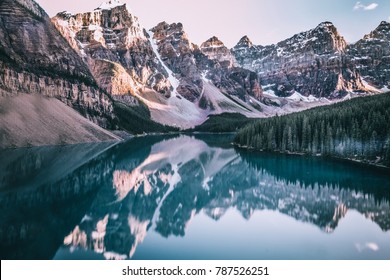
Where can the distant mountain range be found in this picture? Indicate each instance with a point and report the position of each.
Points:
(97, 61)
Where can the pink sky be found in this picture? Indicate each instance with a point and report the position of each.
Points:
(264, 21)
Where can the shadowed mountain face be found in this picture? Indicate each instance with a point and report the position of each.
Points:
(371, 56)
(36, 59)
(310, 63)
(38, 69)
(161, 186)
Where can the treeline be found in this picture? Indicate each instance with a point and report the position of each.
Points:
(225, 122)
(137, 120)
(356, 129)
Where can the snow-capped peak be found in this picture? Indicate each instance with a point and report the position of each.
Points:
(328, 27)
(110, 5)
(244, 42)
(326, 24)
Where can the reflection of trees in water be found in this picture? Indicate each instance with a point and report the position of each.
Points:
(35, 217)
(311, 171)
(161, 183)
(313, 191)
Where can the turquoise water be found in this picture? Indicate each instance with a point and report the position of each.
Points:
(188, 197)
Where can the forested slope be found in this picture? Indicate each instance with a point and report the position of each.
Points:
(358, 129)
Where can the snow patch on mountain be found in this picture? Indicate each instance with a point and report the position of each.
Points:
(175, 111)
(296, 96)
(172, 80)
(370, 87)
(385, 89)
(110, 5)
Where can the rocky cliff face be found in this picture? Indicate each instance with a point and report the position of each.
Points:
(108, 51)
(221, 68)
(176, 52)
(183, 83)
(35, 59)
(194, 66)
(180, 83)
(214, 49)
(310, 63)
(112, 36)
(371, 56)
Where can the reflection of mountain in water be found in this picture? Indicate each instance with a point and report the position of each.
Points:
(43, 193)
(162, 186)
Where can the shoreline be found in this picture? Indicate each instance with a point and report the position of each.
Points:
(349, 160)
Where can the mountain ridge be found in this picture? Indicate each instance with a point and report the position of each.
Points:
(93, 59)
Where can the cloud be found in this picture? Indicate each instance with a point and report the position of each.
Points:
(368, 246)
(368, 7)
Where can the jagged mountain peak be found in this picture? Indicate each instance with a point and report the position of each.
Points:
(109, 5)
(323, 39)
(244, 42)
(381, 32)
(166, 29)
(212, 42)
(326, 24)
(112, 30)
(174, 34)
(161, 25)
(215, 49)
(370, 55)
(327, 27)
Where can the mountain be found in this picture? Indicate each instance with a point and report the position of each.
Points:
(371, 56)
(111, 39)
(181, 83)
(204, 78)
(311, 63)
(214, 49)
(107, 67)
(36, 60)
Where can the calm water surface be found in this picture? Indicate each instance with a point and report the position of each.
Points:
(188, 197)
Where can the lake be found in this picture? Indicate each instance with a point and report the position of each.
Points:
(188, 197)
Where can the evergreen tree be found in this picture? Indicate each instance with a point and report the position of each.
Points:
(356, 129)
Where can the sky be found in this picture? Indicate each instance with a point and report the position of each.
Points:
(263, 21)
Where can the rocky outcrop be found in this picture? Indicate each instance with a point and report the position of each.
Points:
(194, 65)
(177, 53)
(214, 49)
(111, 33)
(106, 55)
(113, 78)
(220, 67)
(310, 63)
(371, 56)
(36, 59)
